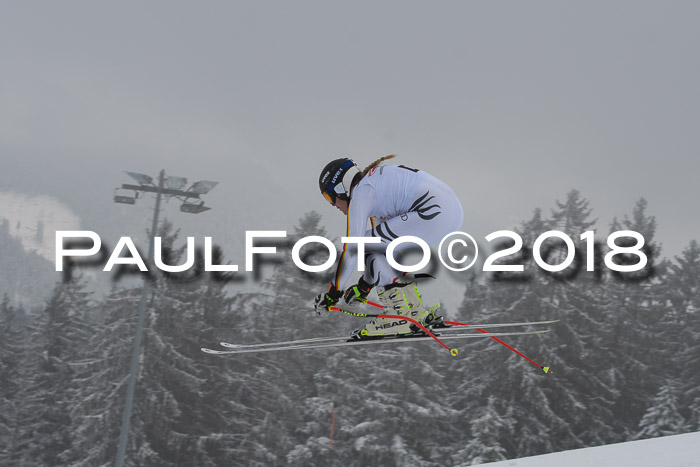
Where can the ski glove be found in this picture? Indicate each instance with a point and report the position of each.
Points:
(358, 292)
(324, 301)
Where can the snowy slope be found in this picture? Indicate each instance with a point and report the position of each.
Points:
(35, 219)
(669, 451)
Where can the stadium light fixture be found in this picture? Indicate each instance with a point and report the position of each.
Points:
(175, 183)
(194, 208)
(202, 187)
(140, 178)
(167, 187)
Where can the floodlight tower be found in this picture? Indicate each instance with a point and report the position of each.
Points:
(168, 186)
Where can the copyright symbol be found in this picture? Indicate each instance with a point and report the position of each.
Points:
(459, 249)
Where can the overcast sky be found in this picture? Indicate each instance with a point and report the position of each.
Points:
(512, 103)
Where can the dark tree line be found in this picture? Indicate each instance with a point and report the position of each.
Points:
(625, 357)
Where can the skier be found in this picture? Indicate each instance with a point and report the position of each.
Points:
(398, 201)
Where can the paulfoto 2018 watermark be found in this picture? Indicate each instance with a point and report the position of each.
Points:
(458, 251)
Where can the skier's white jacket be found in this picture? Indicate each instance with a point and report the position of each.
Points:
(398, 201)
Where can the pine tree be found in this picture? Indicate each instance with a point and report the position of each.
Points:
(682, 333)
(289, 397)
(389, 402)
(573, 296)
(662, 418)
(683, 289)
(634, 312)
(13, 381)
(391, 408)
(178, 416)
(488, 428)
(47, 433)
(571, 216)
(106, 376)
(573, 407)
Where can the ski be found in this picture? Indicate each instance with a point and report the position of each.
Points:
(321, 342)
(294, 345)
(456, 326)
(453, 327)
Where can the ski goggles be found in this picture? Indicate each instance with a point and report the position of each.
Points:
(336, 191)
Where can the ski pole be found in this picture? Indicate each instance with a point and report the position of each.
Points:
(546, 369)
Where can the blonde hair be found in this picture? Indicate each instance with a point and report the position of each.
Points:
(375, 164)
(356, 179)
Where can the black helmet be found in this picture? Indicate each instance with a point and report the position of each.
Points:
(336, 179)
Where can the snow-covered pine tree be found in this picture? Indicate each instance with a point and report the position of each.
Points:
(483, 368)
(47, 435)
(572, 407)
(106, 375)
(180, 416)
(576, 295)
(196, 424)
(389, 402)
(572, 216)
(662, 417)
(683, 284)
(682, 290)
(634, 313)
(488, 427)
(14, 378)
(282, 381)
(391, 407)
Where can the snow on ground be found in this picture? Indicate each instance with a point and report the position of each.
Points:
(35, 219)
(669, 451)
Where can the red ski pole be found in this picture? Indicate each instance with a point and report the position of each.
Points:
(546, 369)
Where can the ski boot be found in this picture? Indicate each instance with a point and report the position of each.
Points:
(434, 321)
(400, 298)
(428, 318)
